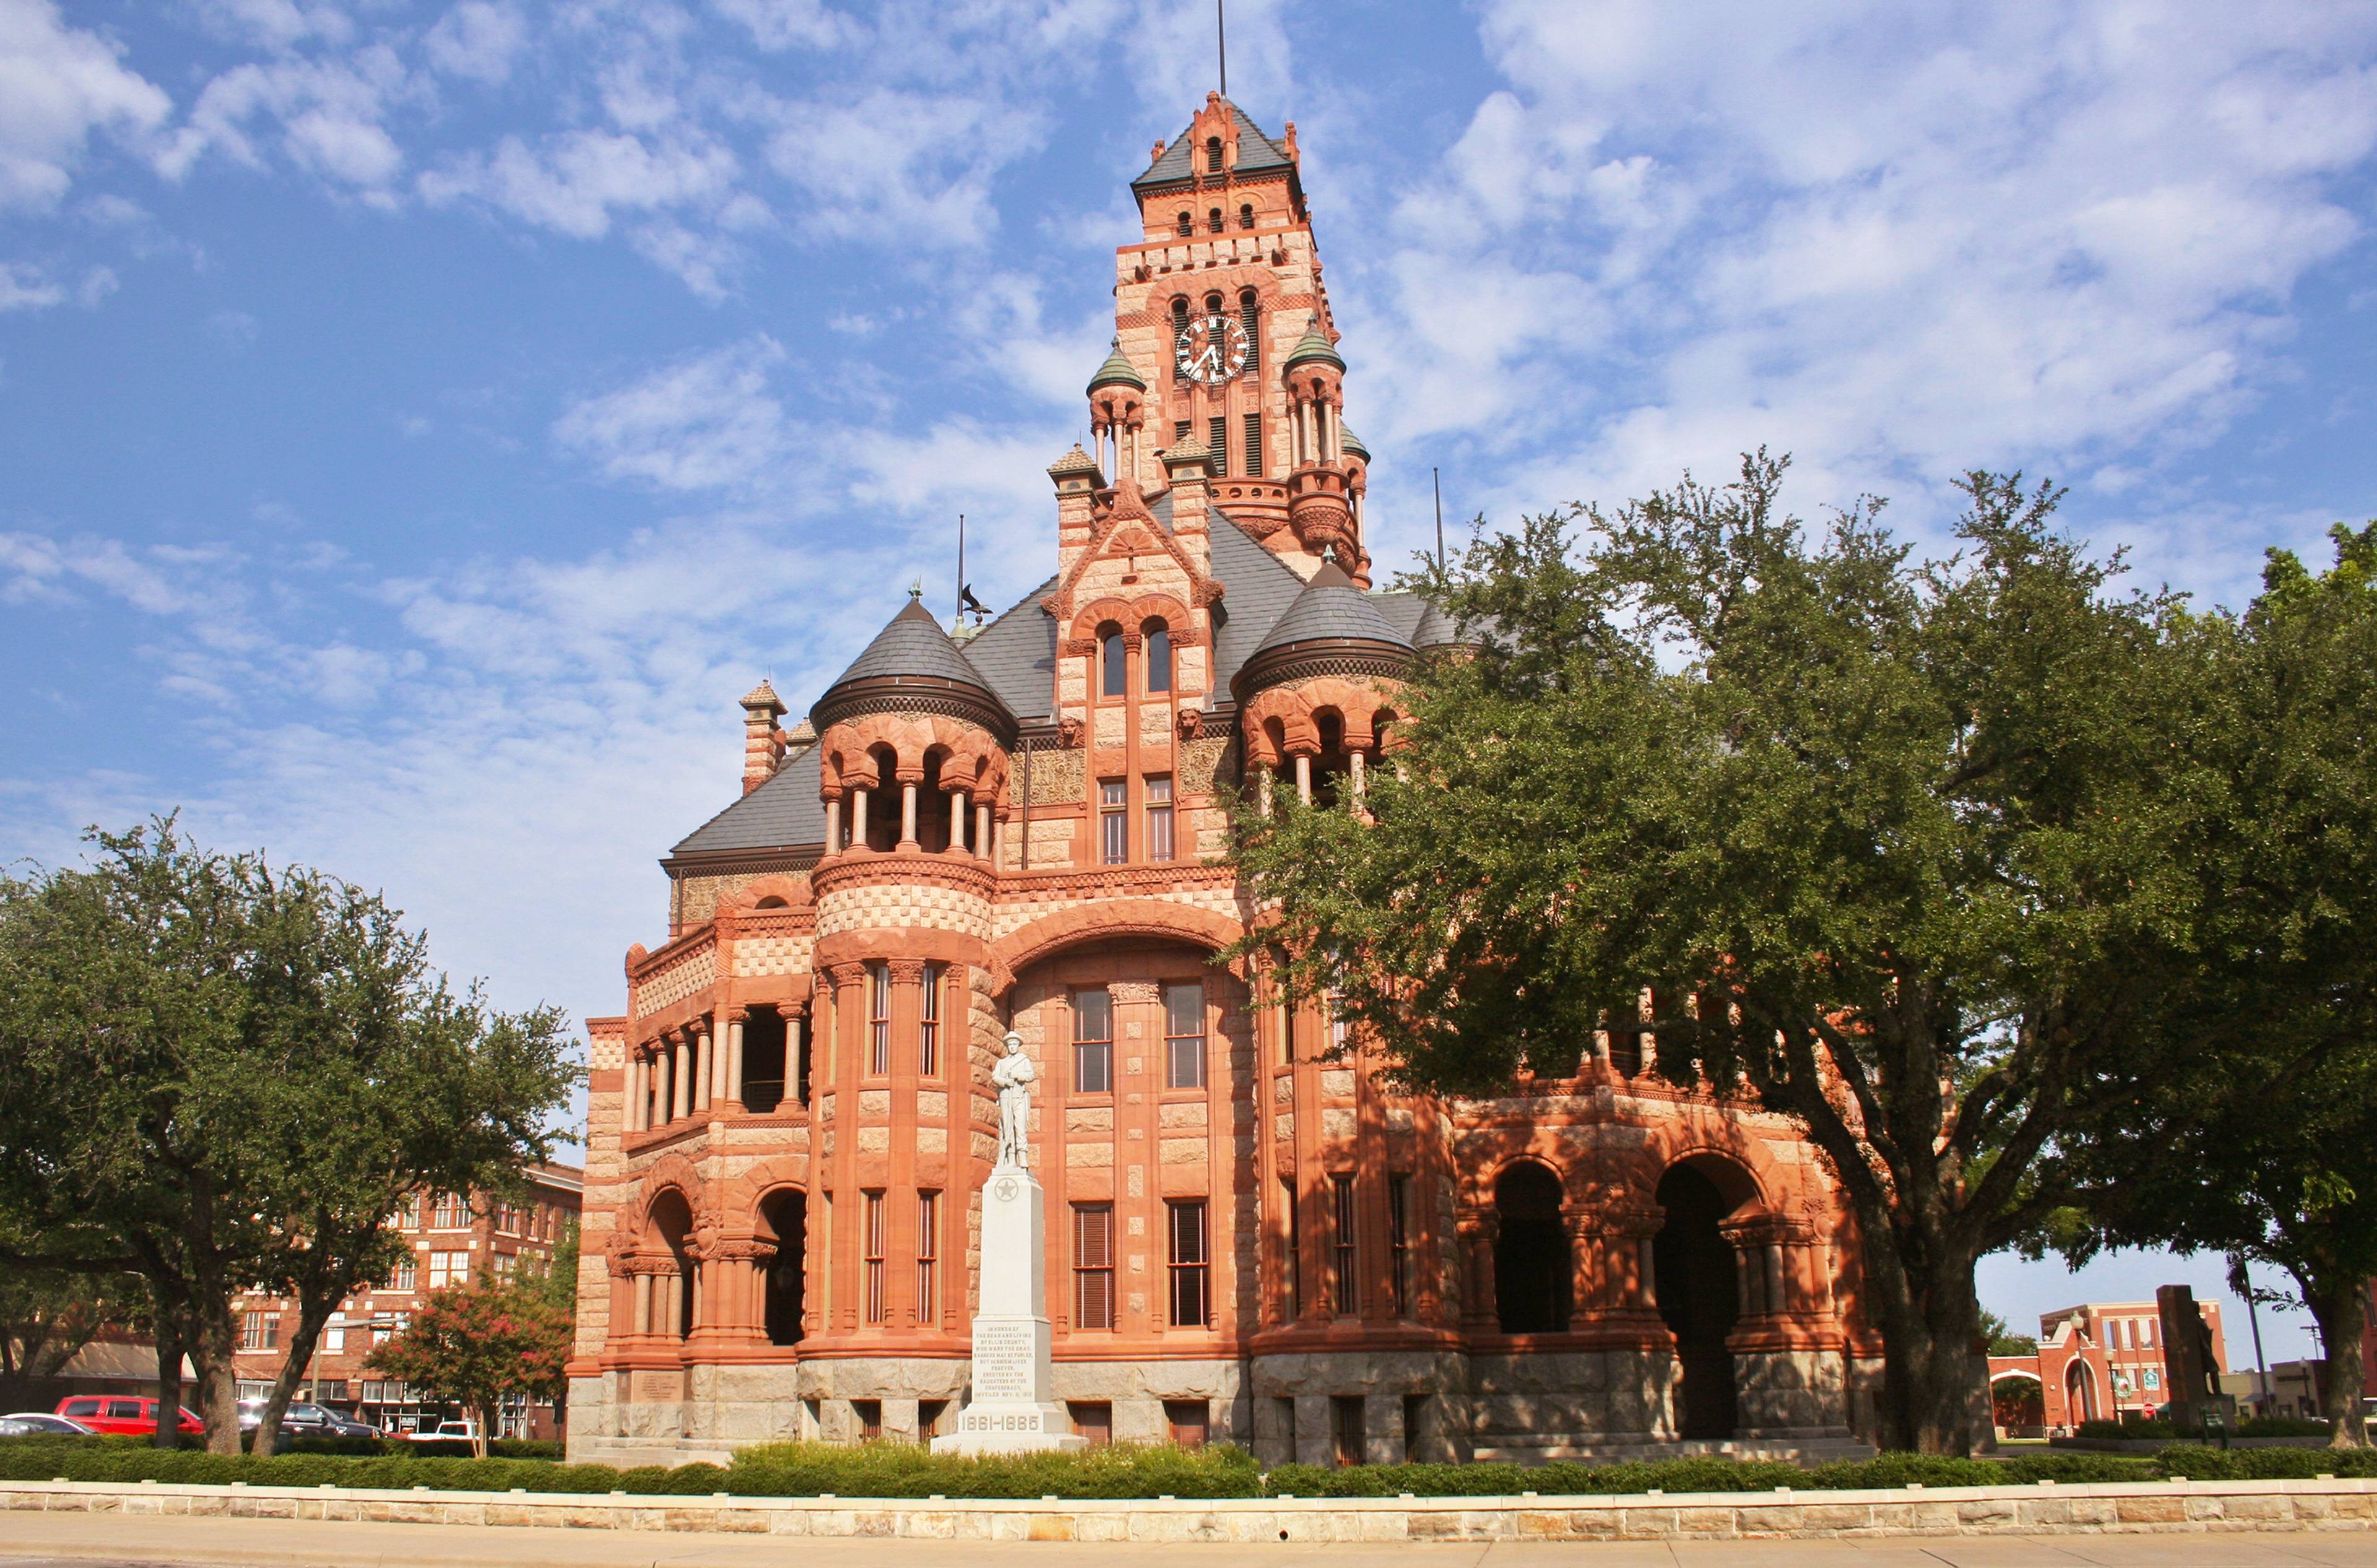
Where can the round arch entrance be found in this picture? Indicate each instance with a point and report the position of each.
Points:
(672, 1223)
(783, 1223)
(1694, 1275)
(1532, 1266)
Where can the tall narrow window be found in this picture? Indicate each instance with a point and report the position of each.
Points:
(928, 1025)
(1295, 1246)
(878, 1018)
(1342, 1223)
(1113, 666)
(1213, 220)
(1093, 1298)
(1247, 215)
(1158, 638)
(1399, 1239)
(1187, 224)
(1159, 817)
(875, 1239)
(1180, 322)
(929, 1255)
(1250, 317)
(869, 1416)
(1191, 1304)
(1092, 1042)
(1218, 437)
(1180, 434)
(1113, 822)
(1253, 447)
(1214, 155)
(1184, 1036)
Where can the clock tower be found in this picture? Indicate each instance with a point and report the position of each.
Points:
(1224, 345)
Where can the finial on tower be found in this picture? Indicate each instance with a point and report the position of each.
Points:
(916, 588)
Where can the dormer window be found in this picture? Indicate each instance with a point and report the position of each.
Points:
(1114, 668)
(1214, 155)
(1187, 224)
(1159, 655)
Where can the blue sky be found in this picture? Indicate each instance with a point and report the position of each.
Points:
(421, 420)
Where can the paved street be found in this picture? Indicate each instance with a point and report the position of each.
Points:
(83, 1540)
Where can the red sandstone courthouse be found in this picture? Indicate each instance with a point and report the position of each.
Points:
(1019, 828)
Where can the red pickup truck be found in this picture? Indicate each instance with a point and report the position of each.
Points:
(120, 1415)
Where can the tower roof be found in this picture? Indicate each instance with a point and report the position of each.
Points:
(1315, 345)
(1257, 151)
(911, 659)
(1118, 371)
(1331, 618)
(1348, 441)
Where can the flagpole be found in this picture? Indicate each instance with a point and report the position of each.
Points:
(957, 620)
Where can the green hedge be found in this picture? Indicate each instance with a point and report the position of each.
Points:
(903, 1470)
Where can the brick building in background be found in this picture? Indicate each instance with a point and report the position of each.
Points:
(2104, 1359)
(1017, 827)
(453, 1238)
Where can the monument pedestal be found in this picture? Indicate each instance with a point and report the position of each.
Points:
(1009, 1408)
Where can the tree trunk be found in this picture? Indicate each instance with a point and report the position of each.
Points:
(310, 1316)
(1929, 1316)
(481, 1422)
(169, 1379)
(2340, 1308)
(213, 1339)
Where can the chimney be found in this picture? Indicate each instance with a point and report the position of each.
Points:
(763, 743)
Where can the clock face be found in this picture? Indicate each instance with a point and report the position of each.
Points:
(1212, 349)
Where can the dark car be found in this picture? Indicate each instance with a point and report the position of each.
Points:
(33, 1423)
(302, 1419)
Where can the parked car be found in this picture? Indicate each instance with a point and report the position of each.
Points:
(119, 1415)
(302, 1419)
(33, 1423)
(447, 1431)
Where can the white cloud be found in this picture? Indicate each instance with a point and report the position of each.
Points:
(898, 164)
(478, 40)
(330, 115)
(1896, 242)
(706, 422)
(24, 288)
(58, 86)
(785, 24)
(575, 182)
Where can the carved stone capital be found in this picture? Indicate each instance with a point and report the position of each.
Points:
(906, 971)
(1129, 992)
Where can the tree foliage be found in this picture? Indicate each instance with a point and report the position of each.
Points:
(483, 1343)
(235, 1074)
(1901, 845)
(2255, 1133)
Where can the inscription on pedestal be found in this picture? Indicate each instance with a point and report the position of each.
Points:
(1002, 1361)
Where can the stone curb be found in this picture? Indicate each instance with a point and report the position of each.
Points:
(2138, 1507)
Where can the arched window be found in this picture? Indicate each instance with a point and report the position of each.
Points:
(1250, 317)
(1247, 215)
(1179, 318)
(1159, 655)
(883, 802)
(1187, 224)
(1213, 220)
(1533, 1270)
(1213, 153)
(1694, 1276)
(1114, 671)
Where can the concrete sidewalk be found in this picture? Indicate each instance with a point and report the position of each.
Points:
(82, 1540)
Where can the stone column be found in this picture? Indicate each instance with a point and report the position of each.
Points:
(680, 1080)
(735, 1055)
(1360, 782)
(704, 1066)
(958, 804)
(644, 1303)
(1304, 777)
(832, 823)
(632, 1108)
(858, 817)
(985, 843)
(1477, 1230)
(907, 814)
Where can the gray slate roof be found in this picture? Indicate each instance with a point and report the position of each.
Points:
(1256, 151)
(912, 644)
(1331, 607)
(1014, 658)
(779, 814)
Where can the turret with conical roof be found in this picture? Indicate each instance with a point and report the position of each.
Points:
(1117, 395)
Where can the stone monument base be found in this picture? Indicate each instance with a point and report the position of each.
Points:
(1010, 1426)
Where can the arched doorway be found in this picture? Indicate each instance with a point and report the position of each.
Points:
(1698, 1297)
(2079, 1392)
(1532, 1266)
(672, 1221)
(783, 1221)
